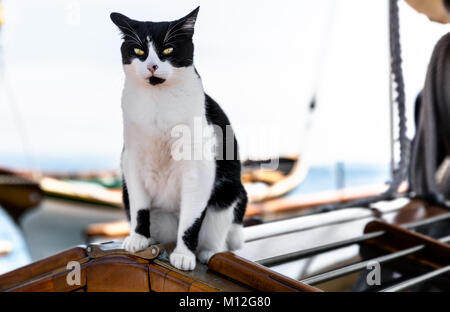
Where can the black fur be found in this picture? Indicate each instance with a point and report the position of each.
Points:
(125, 198)
(190, 236)
(156, 80)
(143, 222)
(239, 211)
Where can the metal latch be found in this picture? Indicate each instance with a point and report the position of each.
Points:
(115, 248)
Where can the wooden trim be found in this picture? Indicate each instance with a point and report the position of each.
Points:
(165, 280)
(200, 279)
(41, 267)
(117, 273)
(55, 281)
(255, 275)
(435, 254)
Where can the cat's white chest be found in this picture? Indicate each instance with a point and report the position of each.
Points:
(149, 119)
(149, 148)
(159, 172)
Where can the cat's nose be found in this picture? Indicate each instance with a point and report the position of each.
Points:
(152, 68)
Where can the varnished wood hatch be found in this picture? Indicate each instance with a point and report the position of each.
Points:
(105, 267)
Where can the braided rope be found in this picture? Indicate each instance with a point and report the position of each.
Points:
(400, 174)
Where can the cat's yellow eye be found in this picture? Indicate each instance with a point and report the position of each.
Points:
(138, 51)
(167, 51)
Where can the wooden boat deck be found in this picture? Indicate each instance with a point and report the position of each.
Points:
(228, 272)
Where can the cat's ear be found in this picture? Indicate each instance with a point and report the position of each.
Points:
(187, 23)
(125, 24)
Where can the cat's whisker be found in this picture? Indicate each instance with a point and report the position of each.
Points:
(132, 39)
(134, 32)
(177, 35)
(181, 29)
(126, 28)
(171, 27)
(169, 31)
(136, 39)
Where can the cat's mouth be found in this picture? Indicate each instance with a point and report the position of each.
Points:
(155, 80)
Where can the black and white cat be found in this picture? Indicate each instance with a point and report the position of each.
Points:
(198, 202)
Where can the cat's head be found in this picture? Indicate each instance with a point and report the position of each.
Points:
(155, 52)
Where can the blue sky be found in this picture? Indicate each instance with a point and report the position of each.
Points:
(262, 62)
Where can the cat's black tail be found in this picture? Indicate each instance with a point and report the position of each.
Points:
(239, 209)
(125, 198)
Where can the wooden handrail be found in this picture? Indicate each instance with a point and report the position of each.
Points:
(255, 275)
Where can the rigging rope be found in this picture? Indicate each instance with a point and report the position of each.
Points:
(400, 173)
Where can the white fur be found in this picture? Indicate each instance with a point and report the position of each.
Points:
(154, 179)
(235, 238)
(213, 232)
(136, 242)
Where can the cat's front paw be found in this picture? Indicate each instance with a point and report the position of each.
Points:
(183, 260)
(136, 242)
